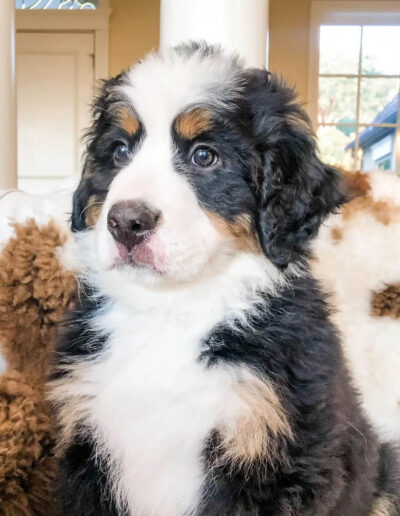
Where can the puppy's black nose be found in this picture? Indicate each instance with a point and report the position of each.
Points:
(130, 221)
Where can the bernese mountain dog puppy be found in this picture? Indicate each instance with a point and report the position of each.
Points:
(199, 374)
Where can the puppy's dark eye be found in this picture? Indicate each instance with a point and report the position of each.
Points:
(204, 157)
(122, 154)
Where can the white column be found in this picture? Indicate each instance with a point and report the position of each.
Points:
(238, 25)
(8, 132)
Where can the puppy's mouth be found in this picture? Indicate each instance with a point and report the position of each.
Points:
(141, 256)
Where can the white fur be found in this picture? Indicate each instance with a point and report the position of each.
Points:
(149, 401)
(164, 84)
(18, 206)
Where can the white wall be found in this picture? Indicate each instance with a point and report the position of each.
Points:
(238, 25)
(8, 134)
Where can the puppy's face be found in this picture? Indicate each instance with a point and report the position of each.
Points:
(193, 159)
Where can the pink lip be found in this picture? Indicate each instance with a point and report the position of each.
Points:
(140, 256)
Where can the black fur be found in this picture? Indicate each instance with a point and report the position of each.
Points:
(296, 190)
(331, 467)
(78, 340)
(102, 138)
(268, 170)
(83, 484)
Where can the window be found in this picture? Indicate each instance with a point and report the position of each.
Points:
(56, 4)
(356, 90)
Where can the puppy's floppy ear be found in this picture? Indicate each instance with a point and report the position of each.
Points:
(295, 191)
(80, 201)
(93, 183)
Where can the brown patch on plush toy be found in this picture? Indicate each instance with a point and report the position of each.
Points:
(336, 234)
(386, 302)
(358, 183)
(35, 292)
(384, 211)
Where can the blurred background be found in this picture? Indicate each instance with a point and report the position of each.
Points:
(342, 57)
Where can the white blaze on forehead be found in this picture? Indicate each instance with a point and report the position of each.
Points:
(160, 88)
(162, 85)
(151, 178)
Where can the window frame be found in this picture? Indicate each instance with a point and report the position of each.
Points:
(100, 2)
(347, 13)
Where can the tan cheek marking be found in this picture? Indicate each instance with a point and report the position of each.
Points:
(386, 302)
(256, 434)
(93, 210)
(191, 124)
(383, 507)
(239, 230)
(128, 121)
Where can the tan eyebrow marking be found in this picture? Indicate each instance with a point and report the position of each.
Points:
(192, 123)
(128, 121)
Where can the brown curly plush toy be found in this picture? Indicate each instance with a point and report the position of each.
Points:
(36, 288)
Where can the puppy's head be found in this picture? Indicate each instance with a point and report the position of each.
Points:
(192, 159)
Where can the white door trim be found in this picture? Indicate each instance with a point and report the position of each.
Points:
(8, 129)
(93, 21)
(52, 67)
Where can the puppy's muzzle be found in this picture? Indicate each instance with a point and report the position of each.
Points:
(130, 222)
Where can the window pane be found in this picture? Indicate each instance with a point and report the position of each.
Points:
(381, 50)
(337, 100)
(377, 148)
(339, 49)
(56, 4)
(379, 101)
(336, 145)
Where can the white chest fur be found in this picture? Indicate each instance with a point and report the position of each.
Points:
(153, 406)
(152, 403)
